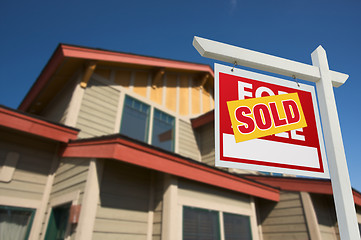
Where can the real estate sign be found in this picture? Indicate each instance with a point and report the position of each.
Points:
(268, 124)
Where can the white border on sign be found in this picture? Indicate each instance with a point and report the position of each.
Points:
(245, 145)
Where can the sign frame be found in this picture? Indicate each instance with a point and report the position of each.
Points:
(325, 80)
(264, 162)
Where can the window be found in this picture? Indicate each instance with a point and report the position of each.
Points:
(236, 227)
(135, 119)
(15, 223)
(58, 222)
(199, 224)
(163, 130)
(136, 124)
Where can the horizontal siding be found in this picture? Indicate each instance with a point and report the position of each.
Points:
(57, 110)
(158, 207)
(70, 176)
(122, 212)
(187, 141)
(326, 216)
(98, 110)
(33, 166)
(206, 138)
(285, 219)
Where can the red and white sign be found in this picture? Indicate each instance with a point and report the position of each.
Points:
(296, 152)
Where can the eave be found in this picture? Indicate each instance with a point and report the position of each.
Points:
(318, 186)
(67, 60)
(31, 125)
(124, 150)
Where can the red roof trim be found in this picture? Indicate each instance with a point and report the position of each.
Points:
(21, 122)
(203, 119)
(44, 77)
(130, 152)
(301, 185)
(102, 55)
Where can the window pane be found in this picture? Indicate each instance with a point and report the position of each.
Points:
(135, 119)
(200, 224)
(15, 223)
(236, 227)
(163, 130)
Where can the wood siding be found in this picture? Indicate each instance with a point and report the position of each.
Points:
(98, 110)
(57, 110)
(187, 141)
(326, 216)
(158, 206)
(283, 220)
(124, 201)
(206, 143)
(33, 166)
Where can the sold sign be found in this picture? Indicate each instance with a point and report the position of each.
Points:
(258, 117)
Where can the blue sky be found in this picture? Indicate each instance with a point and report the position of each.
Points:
(31, 30)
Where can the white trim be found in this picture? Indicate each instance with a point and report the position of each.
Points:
(40, 213)
(90, 201)
(151, 207)
(169, 219)
(221, 225)
(253, 221)
(132, 79)
(177, 94)
(164, 89)
(176, 133)
(118, 118)
(75, 103)
(190, 96)
(73, 198)
(149, 85)
(200, 100)
(19, 202)
(311, 217)
(150, 127)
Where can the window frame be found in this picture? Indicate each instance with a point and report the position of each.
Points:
(32, 216)
(150, 124)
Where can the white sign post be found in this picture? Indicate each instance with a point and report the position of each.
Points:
(324, 78)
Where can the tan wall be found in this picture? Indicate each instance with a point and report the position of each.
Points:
(57, 110)
(98, 110)
(32, 168)
(283, 220)
(70, 179)
(158, 206)
(206, 143)
(187, 141)
(326, 216)
(124, 201)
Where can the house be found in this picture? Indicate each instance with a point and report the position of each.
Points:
(110, 145)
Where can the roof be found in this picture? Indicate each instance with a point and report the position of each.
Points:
(311, 185)
(67, 59)
(130, 151)
(37, 126)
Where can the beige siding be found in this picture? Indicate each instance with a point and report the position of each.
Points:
(32, 169)
(217, 196)
(58, 108)
(124, 201)
(283, 220)
(98, 110)
(206, 143)
(158, 206)
(326, 216)
(187, 141)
